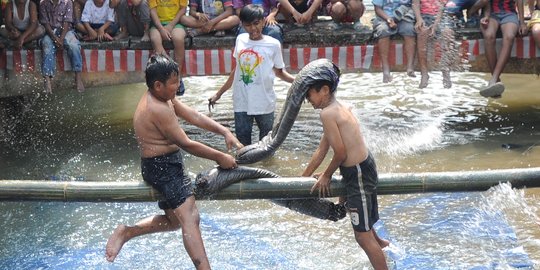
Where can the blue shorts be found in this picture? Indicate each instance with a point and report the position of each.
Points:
(505, 17)
(361, 185)
(382, 30)
(165, 173)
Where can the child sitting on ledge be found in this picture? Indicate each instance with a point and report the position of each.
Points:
(98, 20)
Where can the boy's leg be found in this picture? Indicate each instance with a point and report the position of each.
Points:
(122, 12)
(509, 32)
(227, 23)
(178, 38)
(490, 35)
(156, 40)
(406, 30)
(422, 39)
(74, 52)
(535, 32)
(243, 124)
(384, 47)
(371, 246)
(449, 55)
(188, 217)
(265, 122)
(153, 224)
(37, 34)
(48, 63)
(338, 11)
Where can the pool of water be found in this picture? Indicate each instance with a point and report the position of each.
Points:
(89, 137)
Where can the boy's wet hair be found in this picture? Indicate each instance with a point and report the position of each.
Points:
(159, 68)
(251, 13)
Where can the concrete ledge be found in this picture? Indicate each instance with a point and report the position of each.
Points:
(316, 35)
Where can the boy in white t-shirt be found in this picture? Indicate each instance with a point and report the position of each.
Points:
(258, 61)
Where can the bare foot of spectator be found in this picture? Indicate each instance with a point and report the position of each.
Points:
(122, 35)
(447, 82)
(145, 37)
(78, 82)
(47, 85)
(424, 81)
(107, 37)
(387, 77)
(88, 38)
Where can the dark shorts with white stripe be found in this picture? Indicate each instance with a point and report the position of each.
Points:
(361, 184)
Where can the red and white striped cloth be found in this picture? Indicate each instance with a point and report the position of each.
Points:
(218, 61)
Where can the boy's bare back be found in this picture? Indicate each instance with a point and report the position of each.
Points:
(339, 120)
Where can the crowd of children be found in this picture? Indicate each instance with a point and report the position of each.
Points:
(417, 21)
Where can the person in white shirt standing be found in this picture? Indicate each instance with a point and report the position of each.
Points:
(258, 61)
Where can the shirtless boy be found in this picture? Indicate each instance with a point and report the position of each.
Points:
(160, 139)
(341, 131)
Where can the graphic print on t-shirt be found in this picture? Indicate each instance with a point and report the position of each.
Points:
(248, 60)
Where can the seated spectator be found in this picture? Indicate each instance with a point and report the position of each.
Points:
(500, 14)
(455, 8)
(345, 11)
(166, 16)
(534, 22)
(428, 27)
(133, 17)
(78, 6)
(300, 11)
(22, 30)
(57, 18)
(98, 20)
(210, 16)
(394, 17)
(271, 10)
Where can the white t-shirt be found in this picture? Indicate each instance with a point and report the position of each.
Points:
(253, 85)
(97, 15)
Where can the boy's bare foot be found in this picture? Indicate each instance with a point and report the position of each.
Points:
(78, 82)
(387, 77)
(424, 81)
(47, 85)
(122, 35)
(145, 37)
(115, 243)
(447, 82)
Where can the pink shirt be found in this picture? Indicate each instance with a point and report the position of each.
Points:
(431, 7)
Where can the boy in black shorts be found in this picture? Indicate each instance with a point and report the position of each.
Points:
(160, 139)
(351, 156)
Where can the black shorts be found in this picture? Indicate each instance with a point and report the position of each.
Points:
(166, 174)
(361, 185)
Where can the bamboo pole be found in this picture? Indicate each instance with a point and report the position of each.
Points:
(266, 188)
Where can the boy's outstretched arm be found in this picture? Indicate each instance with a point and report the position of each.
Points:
(198, 119)
(317, 158)
(333, 137)
(228, 84)
(284, 75)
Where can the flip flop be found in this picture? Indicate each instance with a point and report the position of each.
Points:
(494, 90)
